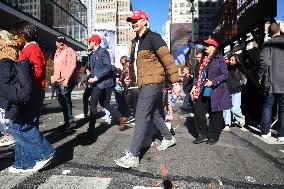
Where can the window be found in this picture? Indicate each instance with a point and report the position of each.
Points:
(182, 5)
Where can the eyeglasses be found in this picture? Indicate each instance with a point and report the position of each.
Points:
(134, 21)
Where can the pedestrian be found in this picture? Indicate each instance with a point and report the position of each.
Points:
(26, 36)
(102, 79)
(236, 79)
(32, 150)
(187, 81)
(119, 90)
(211, 94)
(150, 60)
(270, 75)
(64, 77)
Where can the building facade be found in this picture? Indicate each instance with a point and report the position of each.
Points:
(52, 17)
(111, 15)
(180, 12)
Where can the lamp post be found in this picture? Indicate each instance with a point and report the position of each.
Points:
(192, 10)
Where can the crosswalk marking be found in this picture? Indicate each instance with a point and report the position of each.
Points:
(282, 151)
(143, 187)
(63, 181)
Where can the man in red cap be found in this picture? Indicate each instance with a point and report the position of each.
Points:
(102, 79)
(150, 62)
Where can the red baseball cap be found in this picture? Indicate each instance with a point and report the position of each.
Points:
(210, 41)
(95, 38)
(136, 15)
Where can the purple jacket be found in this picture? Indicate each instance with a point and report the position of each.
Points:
(218, 73)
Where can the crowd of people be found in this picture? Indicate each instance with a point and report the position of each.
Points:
(146, 89)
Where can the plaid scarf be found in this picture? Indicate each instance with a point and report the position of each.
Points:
(201, 76)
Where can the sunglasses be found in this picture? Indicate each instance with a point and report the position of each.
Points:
(134, 21)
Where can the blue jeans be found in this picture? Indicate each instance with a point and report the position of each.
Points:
(30, 145)
(235, 111)
(187, 103)
(64, 99)
(267, 113)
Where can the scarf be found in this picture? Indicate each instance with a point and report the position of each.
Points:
(201, 76)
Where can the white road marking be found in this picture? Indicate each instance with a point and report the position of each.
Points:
(64, 181)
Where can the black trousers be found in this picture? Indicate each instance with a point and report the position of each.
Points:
(105, 94)
(86, 96)
(132, 98)
(213, 130)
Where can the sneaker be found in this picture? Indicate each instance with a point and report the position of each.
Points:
(200, 139)
(227, 128)
(7, 140)
(130, 120)
(191, 115)
(106, 120)
(166, 143)
(12, 169)
(242, 123)
(268, 135)
(211, 141)
(127, 161)
(41, 164)
(281, 139)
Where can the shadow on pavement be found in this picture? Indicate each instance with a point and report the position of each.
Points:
(189, 123)
(65, 152)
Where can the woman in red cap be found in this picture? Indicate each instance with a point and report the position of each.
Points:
(211, 94)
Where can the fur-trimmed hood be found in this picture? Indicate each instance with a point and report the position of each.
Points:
(8, 46)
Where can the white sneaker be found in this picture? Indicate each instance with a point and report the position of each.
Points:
(127, 161)
(227, 128)
(242, 123)
(12, 169)
(7, 140)
(281, 139)
(106, 119)
(41, 164)
(268, 135)
(191, 115)
(166, 143)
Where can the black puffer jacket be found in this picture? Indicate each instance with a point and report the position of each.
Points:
(8, 93)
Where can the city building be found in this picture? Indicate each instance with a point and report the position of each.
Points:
(110, 15)
(52, 18)
(180, 12)
(207, 11)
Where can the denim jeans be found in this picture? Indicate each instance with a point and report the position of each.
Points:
(30, 145)
(235, 111)
(187, 103)
(267, 113)
(64, 99)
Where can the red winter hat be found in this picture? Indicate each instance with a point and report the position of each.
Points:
(210, 41)
(136, 15)
(95, 38)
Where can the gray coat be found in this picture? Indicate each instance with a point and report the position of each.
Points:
(273, 51)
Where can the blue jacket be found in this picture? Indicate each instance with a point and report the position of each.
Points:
(218, 73)
(100, 66)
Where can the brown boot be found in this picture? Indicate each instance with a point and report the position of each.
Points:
(122, 122)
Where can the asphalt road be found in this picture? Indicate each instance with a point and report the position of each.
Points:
(84, 158)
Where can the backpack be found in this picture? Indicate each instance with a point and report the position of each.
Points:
(21, 80)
